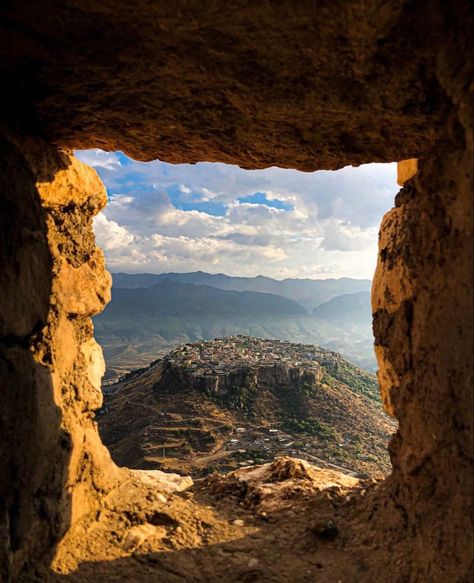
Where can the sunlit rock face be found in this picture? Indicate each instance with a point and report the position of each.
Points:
(53, 281)
(52, 366)
(305, 86)
(422, 304)
(406, 169)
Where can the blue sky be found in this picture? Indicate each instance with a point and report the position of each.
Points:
(219, 218)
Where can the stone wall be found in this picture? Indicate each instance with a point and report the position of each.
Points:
(53, 280)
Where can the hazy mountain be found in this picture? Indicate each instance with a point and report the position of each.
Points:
(141, 323)
(309, 292)
(346, 310)
(172, 298)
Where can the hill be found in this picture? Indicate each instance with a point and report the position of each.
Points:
(346, 310)
(240, 400)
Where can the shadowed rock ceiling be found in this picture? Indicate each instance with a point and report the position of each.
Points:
(306, 85)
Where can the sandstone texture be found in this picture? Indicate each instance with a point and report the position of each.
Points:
(270, 486)
(406, 169)
(51, 365)
(301, 528)
(55, 469)
(305, 85)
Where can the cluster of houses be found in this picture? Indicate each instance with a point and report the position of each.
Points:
(232, 353)
(265, 444)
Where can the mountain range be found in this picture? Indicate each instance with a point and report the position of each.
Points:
(308, 292)
(149, 314)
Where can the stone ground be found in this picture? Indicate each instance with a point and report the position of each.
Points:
(281, 522)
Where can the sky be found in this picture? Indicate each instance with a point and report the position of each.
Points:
(220, 218)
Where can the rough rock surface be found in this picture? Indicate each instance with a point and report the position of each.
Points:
(308, 525)
(422, 299)
(307, 85)
(50, 363)
(422, 302)
(269, 487)
(288, 521)
(55, 468)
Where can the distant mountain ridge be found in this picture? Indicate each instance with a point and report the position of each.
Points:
(172, 298)
(346, 309)
(308, 292)
(144, 320)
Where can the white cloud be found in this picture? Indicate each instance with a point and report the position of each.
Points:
(100, 159)
(110, 235)
(120, 201)
(342, 236)
(329, 231)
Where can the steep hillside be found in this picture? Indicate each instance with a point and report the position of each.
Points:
(238, 401)
(308, 292)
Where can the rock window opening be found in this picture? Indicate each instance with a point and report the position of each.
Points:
(307, 87)
(215, 372)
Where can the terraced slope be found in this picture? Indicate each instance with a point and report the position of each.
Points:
(238, 401)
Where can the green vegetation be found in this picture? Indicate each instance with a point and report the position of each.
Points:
(358, 380)
(241, 398)
(311, 426)
(308, 389)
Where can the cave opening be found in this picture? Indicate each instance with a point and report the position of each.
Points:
(80, 290)
(232, 287)
(309, 87)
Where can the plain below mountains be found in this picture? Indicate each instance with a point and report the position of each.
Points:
(150, 314)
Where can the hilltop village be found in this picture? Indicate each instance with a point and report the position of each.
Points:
(240, 400)
(229, 354)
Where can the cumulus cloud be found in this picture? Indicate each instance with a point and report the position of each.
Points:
(215, 217)
(342, 236)
(110, 235)
(100, 159)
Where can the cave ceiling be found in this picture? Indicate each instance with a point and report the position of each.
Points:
(305, 84)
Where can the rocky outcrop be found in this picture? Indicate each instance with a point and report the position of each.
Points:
(54, 278)
(422, 302)
(184, 415)
(270, 487)
(223, 386)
